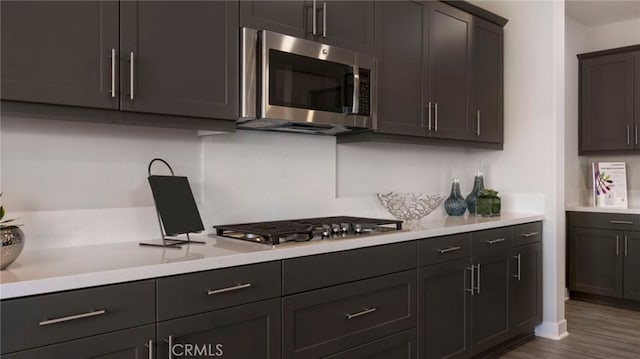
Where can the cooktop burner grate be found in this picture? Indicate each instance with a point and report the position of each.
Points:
(274, 232)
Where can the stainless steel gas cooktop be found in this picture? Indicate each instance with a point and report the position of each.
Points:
(301, 230)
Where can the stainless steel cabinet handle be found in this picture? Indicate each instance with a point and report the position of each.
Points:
(478, 124)
(92, 313)
(113, 73)
(519, 258)
(530, 234)
(478, 287)
(622, 222)
(324, 19)
(626, 245)
(497, 240)
(447, 250)
(429, 108)
(228, 289)
(436, 124)
(315, 21)
(364, 312)
(636, 134)
(150, 346)
(131, 66)
(473, 279)
(617, 244)
(628, 135)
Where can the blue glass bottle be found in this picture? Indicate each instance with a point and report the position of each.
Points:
(472, 198)
(455, 205)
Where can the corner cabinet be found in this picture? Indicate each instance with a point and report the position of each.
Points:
(439, 76)
(610, 100)
(612, 241)
(347, 24)
(159, 57)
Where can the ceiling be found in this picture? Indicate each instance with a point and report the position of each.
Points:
(595, 13)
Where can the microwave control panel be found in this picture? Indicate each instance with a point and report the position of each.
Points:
(365, 92)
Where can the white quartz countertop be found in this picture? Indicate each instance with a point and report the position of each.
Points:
(52, 270)
(602, 210)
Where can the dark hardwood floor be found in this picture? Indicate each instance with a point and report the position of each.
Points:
(595, 332)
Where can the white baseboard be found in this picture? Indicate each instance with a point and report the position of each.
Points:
(552, 330)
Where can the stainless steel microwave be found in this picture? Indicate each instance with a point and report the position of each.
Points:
(297, 85)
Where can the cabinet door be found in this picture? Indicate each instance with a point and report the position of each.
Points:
(444, 305)
(606, 102)
(595, 261)
(632, 265)
(292, 18)
(60, 52)
(487, 86)
(526, 288)
(396, 346)
(490, 304)
(400, 49)
(449, 71)
(347, 24)
(246, 331)
(636, 106)
(124, 344)
(185, 58)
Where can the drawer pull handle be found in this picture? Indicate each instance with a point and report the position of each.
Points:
(530, 234)
(447, 250)
(497, 240)
(92, 313)
(622, 222)
(228, 289)
(364, 312)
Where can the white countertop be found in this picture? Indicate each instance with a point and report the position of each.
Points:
(52, 270)
(602, 210)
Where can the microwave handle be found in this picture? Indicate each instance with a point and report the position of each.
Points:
(356, 90)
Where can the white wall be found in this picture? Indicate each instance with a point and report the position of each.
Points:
(47, 165)
(581, 39)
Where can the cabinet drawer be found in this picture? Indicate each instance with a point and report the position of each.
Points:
(330, 320)
(313, 272)
(490, 240)
(617, 221)
(205, 291)
(527, 233)
(52, 318)
(444, 249)
(397, 346)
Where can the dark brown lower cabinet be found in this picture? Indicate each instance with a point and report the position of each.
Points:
(632, 265)
(526, 288)
(604, 255)
(245, 331)
(133, 343)
(595, 264)
(398, 346)
(330, 320)
(445, 310)
(490, 303)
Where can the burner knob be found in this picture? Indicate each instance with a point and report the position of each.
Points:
(335, 228)
(326, 231)
(345, 227)
(357, 228)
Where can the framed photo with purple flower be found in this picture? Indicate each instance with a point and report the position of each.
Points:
(609, 184)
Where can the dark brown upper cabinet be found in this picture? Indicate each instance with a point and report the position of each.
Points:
(154, 57)
(60, 52)
(347, 24)
(439, 75)
(486, 110)
(609, 104)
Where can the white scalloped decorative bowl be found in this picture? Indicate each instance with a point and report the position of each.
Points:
(410, 206)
